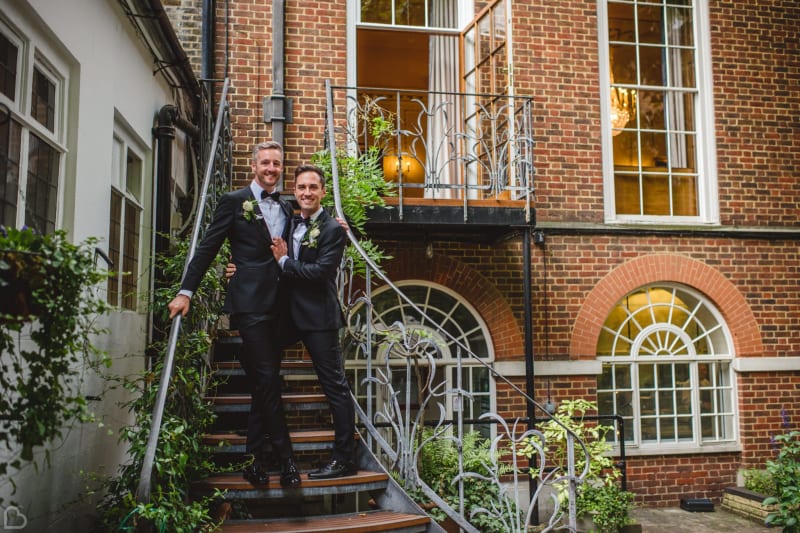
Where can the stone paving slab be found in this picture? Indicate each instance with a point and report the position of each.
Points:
(676, 520)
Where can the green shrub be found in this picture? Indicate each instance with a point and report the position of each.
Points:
(759, 481)
(606, 504)
(439, 468)
(785, 472)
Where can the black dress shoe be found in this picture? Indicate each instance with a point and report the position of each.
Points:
(333, 469)
(256, 475)
(290, 476)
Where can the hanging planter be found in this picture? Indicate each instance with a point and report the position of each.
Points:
(21, 276)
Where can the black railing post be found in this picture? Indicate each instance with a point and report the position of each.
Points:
(529, 387)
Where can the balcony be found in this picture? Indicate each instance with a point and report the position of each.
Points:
(460, 165)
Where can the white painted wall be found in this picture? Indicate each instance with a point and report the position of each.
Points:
(111, 74)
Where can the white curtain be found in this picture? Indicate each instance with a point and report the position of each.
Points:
(441, 167)
(679, 31)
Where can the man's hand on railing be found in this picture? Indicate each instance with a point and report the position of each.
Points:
(179, 304)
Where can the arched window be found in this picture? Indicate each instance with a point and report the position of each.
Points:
(446, 310)
(666, 356)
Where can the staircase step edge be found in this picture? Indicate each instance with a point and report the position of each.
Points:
(350, 522)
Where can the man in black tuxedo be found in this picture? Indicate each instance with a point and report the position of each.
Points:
(250, 218)
(309, 263)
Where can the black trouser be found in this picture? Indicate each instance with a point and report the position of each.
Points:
(260, 358)
(326, 354)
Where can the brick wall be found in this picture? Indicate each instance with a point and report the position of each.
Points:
(756, 93)
(187, 19)
(315, 47)
(756, 71)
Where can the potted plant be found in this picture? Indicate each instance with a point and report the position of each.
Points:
(605, 508)
(603, 505)
(22, 272)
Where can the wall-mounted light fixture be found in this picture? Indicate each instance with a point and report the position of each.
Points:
(409, 167)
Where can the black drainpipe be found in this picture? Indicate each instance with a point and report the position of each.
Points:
(278, 108)
(164, 133)
(278, 82)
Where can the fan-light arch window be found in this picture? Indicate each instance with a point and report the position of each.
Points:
(666, 356)
(446, 310)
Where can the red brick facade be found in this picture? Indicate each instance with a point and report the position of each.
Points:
(577, 277)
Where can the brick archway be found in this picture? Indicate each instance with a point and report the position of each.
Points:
(507, 337)
(662, 267)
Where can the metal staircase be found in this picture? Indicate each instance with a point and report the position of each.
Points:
(342, 504)
(397, 425)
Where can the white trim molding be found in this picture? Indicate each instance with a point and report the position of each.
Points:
(550, 368)
(766, 364)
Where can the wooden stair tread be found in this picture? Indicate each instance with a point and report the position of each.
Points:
(289, 363)
(243, 399)
(351, 522)
(235, 481)
(320, 435)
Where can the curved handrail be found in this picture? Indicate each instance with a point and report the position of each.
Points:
(571, 477)
(143, 489)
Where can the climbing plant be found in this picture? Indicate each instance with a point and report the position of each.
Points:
(48, 307)
(181, 456)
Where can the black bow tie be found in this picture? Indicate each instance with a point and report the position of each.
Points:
(274, 195)
(304, 221)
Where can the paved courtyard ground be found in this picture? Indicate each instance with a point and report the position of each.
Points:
(676, 520)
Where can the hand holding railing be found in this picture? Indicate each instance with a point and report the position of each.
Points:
(143, 489)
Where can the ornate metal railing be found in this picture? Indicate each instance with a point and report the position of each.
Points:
(400, 422)
(216, 178)
(456, 147)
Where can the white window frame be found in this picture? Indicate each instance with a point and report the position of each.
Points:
(723, 357)
(36, 51)
(448, 360)
(127, 141)
(707, 193)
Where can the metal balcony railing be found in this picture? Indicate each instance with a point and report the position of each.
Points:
(449, 148)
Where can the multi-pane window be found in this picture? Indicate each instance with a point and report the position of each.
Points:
(667, 370)
(31, 132)
(125, 222)
(655, 56)
(441, 309)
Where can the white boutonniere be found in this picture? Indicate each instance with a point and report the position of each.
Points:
(311, 235)
(249, 210)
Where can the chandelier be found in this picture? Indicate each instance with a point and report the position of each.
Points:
(623, 106)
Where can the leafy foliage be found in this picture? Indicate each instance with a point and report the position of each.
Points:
(180, 456)
(606, 504)
(785, 472)
(759, 481)
(439, 469)
(569, 417)
(362, 187)
(599, 496)
(47, 286)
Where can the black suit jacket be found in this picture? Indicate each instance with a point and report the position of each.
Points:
(310, 281)
(254, 286)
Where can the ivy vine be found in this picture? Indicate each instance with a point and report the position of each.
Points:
(48, 309)
(181, 457)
